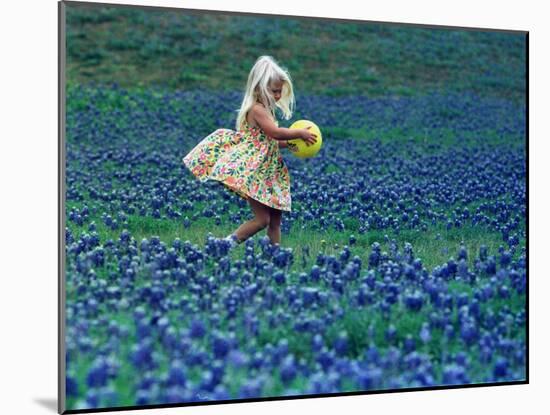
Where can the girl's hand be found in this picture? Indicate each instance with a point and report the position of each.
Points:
(307, 136)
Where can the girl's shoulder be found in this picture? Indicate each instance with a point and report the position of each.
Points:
(258, 106)
(252, 112)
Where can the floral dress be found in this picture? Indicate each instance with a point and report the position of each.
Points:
(248, 162)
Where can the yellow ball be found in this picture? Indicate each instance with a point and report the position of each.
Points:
(298, 146)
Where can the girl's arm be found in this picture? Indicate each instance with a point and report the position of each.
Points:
(265, 122)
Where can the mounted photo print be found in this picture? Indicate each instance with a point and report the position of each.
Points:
(257, 207)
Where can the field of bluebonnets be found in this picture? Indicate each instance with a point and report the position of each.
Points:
(402, 263)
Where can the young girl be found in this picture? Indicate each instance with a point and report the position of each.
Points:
(248, 161)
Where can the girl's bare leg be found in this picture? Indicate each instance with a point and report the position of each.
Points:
(261, 221)
(274, 228)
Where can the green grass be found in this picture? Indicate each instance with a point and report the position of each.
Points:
(177, 49)
(432, 249)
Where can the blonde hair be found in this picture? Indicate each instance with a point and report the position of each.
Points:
(265, 71)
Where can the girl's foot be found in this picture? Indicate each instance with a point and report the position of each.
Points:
(233, 240)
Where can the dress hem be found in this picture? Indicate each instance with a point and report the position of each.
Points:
(238, 191)
(246, 195)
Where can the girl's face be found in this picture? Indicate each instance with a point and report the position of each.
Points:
(276, 89)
